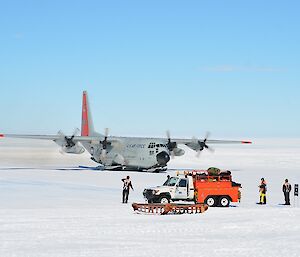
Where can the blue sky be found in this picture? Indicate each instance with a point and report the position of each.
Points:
(229, 67)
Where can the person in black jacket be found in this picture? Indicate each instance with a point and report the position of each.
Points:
(126, 187)
(286, 189)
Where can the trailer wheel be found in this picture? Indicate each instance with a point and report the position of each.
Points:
(224, 201)
(164, 199)
(210, 201)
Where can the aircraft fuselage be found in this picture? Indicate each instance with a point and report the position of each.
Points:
(132, 153)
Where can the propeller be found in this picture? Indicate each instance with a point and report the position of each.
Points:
(171, 145)
(67, 141)
(202, 144)
(104, 144)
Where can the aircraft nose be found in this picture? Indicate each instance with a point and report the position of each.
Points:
(163, 158)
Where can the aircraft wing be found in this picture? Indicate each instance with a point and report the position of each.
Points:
(60, 138)
(195, 144)
(52, 137)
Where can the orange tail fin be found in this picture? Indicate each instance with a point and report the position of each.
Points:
(87, 127)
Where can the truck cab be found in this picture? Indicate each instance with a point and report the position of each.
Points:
(174, 189)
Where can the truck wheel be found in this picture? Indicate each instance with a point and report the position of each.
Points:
(224, 201)
(164, 199)
(210, 201)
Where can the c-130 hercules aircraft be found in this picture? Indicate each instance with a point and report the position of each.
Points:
(123, 153)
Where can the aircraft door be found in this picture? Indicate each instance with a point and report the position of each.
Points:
(181, 191)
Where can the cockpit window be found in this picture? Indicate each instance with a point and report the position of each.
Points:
(171, 182)
(151, 145)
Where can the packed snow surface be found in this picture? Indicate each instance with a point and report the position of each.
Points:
(50, 207)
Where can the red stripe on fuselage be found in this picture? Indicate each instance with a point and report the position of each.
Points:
(1, 135)
(85, 118)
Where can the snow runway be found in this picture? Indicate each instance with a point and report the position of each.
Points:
(50, 211)
(115, 231)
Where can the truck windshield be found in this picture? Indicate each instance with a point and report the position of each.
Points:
(171, 182)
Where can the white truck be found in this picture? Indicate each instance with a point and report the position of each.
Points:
(176, 188)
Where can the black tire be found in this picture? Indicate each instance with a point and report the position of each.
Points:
(224, 201)
(164, 199)
(211, 201)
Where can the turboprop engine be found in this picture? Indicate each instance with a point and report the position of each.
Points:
(172, 146)
(119, 159)
(76, 149)
(178, 151)
(68, 145)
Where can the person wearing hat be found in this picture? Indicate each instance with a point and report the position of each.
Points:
(286, 189)
(126, 187)
(262, 191)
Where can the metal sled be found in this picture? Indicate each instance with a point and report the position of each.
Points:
(169, 208)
